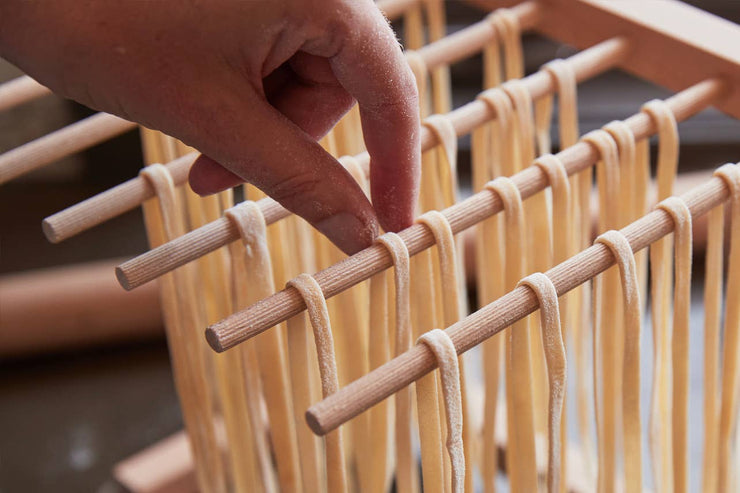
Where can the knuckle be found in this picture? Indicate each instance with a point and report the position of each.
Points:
(295, 187)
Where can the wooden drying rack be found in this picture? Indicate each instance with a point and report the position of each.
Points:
(669, 43)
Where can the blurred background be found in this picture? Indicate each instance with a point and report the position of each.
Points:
(73, 406)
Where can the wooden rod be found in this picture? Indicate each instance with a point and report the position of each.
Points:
(372, 388)
(188, 247)
(20, 90)
(121, 199)
(71, 307)
(63, 142)
(199, 242)
(114, 202)
(361, 266)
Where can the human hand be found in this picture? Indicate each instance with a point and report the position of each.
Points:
(250, 84)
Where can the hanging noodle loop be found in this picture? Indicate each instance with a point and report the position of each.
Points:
(632, 432)
(318, 313)
(552, 339)
(444, 351)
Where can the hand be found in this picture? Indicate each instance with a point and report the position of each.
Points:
(252, 84)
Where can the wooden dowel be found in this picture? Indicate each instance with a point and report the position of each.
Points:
(72, 307)
(118, 200)
(352, 270)
(188, 247)
(199, 242)
(372, 388)
(19, 91)
(114, 202)
(63, 142)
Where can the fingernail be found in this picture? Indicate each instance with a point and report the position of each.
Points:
(349, 232)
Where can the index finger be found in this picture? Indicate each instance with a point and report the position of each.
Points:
(371, 67)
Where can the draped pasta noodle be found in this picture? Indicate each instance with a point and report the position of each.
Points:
(444, 350)
(164, 222)
(538, 236)
(441, 94)
(661, 266)
(379, 353)
(211, 273)
(625, 140)
(634, 170)
(437, 192)
(632, 428)
(632, 184)
(608, 321)
(413, 27)
(424, 319)
(552, 340)
(419, 69)
(440, 227)
(319, 316)
(562, 246)
(542, 119)
(312, 463)
(351, 311)
(506, 24)
(576, 321)
(430, 435)
(521, 102)
(492, 69)
(712, 315)
(269, 348)
(443, 175)
(731, 357)
(488, 156)
(565, 80)
(680, 343)
(405, 470)
(521, 466)
(252, 388)
(353, 308)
